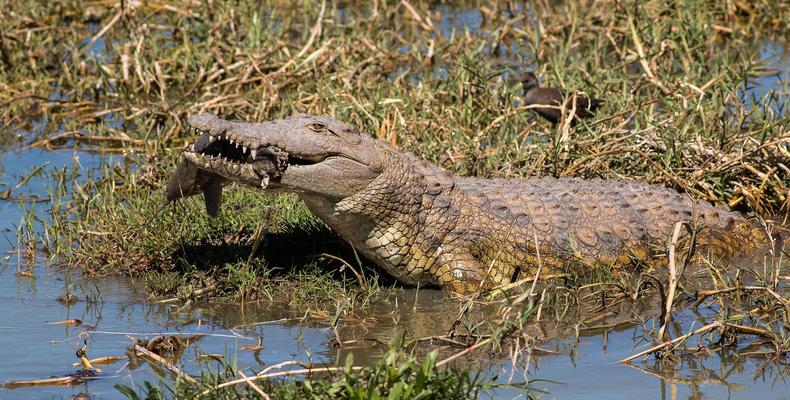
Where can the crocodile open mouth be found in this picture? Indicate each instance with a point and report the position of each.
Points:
(230, 151)
(237, 160)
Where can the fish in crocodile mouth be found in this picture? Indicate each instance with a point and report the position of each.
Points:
(235, 161)
(213, 161)
(302, 154)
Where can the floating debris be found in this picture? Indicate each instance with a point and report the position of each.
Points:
(77, 323)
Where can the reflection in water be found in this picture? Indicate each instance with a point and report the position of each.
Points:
(34, 348)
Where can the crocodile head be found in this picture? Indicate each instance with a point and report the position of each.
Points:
(317, 156)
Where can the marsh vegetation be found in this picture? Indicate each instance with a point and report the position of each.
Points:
(696, 98)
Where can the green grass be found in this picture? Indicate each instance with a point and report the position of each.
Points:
(396, 376)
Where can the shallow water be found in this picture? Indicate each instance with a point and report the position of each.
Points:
(35, 348)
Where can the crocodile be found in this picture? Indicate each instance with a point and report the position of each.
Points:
(425, 225)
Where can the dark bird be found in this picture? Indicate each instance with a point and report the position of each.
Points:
(550, 96)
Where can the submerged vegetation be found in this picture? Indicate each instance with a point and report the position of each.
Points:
(685, 106)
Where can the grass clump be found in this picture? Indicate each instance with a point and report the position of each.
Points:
(261, 247)
(396, 376)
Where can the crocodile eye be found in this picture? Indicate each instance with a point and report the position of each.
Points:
(317, 127)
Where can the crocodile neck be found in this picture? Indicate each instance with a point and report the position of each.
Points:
(394, 221)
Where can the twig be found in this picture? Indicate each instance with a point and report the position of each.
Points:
(254, 387)
(582, 160)
(282, 365)
(704, 329)
(426, 25)
(568, 114)
(314, 32)
(191, 334)
(164, 363)
(464, 351)
(673, 282)
(360, 279)
(101, 360)
(275, 375)
(63, 380)
(102, 32)
(85, 362)
(196, 293)
(439, 338)
(540, 305)
(79, 137)
(253, 347)
(643, 60)
(704, 294)
(701, 295)
(750, 330)
(260, 232)
(494, 293)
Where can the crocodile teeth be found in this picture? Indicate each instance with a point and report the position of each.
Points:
(211, 138)
(244, 149)
(254, 153)
(230, 140)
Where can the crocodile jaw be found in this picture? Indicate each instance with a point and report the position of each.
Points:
(302, 154)
(229, 169)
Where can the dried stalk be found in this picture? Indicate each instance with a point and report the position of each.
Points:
(704, 329)
(673, 283)
(164, 363)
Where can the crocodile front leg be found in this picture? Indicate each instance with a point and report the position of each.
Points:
(461, 273)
